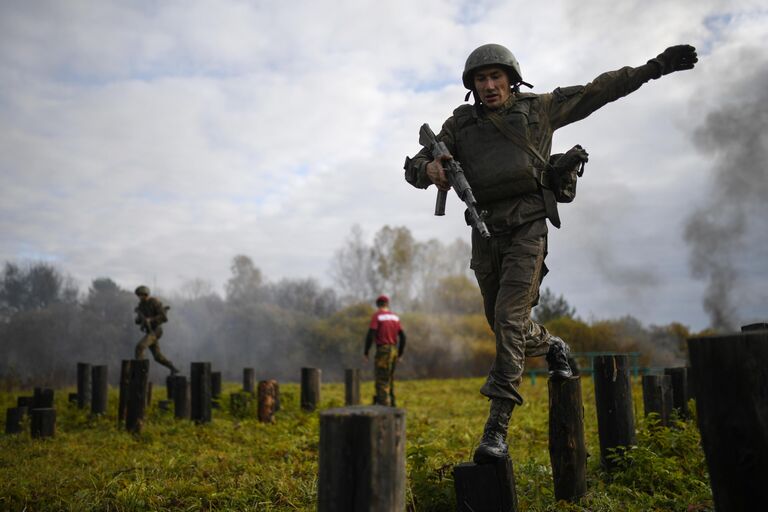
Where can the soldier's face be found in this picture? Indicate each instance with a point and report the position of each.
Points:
(492, 86)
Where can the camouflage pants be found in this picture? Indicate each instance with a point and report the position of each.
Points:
(152, 342)
(509, 271)
(384, 374)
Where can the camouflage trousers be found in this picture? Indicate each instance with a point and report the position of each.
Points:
(509, 271)
(151, 341)
(384, 374)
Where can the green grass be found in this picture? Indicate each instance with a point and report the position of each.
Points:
(241, 464)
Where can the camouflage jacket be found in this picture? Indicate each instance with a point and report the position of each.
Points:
(545, 114)
(153, 310)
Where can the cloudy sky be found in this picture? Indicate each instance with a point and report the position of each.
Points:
(152, 141)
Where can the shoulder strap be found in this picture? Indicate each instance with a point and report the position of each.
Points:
(515, 137)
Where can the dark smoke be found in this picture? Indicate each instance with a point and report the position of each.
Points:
(734, 136)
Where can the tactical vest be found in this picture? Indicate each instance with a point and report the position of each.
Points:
(495, 167)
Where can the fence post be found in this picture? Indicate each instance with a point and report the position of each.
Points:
(731, 389)
(657, 397)
(200, 376)
(362, 460)
(137, 395)
(613, 397)
(249, 380)
(42, 398)
(100, 388)
(180, 390)
(83, 385)
(310, 388)
(43, 422)
(567, 450)
(352, 386)
(680, 394)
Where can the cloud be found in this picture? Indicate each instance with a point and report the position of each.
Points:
(151, 141)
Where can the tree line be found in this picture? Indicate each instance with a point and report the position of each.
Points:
(47, 324)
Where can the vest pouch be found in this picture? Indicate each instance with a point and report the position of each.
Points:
(564, 171)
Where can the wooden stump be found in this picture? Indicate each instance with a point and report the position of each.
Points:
(657, 397)
(267, 401)
(42, 398)
(169, 387)
(276, 386)
(13, 418)
(43, 422)
(25, 401)
(215, 385)
(137, 395)
(83, 385)
(613, 397)
(567, 450)
(125, 383)
(679, 381)
(181, 400)
(249, 380)
(201, 392)
(760, 326)
(310, 388)
(362, 460)
(352, 386)
(485, 487)
(731, 389)
(99, 389)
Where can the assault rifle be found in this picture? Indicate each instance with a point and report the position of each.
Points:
(456, 178)
(144, 322)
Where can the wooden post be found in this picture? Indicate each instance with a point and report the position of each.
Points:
(352, 386)
(657, 397)
(169, 387)
(42, 399)
(362, 460)
(137, 395)
(613, 397)
(680, 394)
(43, 422)
(25, 401)
(200, 377)
(276, 387)
(310, 388)
(760, 326)
(249, 380)
(180, 397)
(100, 389)
(266, 406)
(13, 418)
(215, 385)
(485, 486)
(731, 389)
(125, 382)
(83, 385)
(567, 450)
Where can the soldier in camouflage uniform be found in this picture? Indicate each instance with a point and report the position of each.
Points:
(510, 184)
(150, 313)
(386, 331)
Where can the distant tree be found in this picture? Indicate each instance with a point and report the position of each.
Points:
(196, 288)
(459, 295)
(394, 251)
(551, 307)
(303, 295)
(246, 282)
(352, 268)
(36, 286)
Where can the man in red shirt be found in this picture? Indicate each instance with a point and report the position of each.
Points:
(385, 329)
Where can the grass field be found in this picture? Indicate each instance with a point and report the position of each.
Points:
(241, 464)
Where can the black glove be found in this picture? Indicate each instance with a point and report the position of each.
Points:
(675, 58)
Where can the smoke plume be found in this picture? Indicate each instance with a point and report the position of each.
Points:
(734, 136)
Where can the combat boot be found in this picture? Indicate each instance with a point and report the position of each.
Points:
(493, 445)
(557, 359)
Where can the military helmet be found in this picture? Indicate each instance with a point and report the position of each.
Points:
(142, 290)
(491, 55)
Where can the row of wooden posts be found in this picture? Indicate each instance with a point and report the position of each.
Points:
(192, 398)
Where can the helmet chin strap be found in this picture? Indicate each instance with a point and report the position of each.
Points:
(515, 88)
